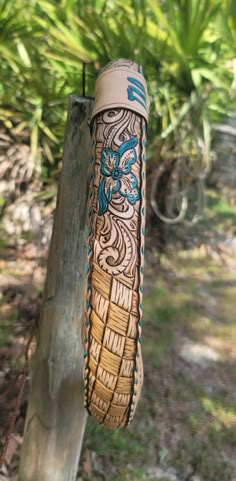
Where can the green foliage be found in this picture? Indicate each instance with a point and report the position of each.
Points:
(229, 26)
(182, 44)
(121, 445)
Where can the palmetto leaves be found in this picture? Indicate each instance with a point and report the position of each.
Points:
(182, 45)
(189, 36)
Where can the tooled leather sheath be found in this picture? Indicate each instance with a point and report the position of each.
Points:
(113, 369)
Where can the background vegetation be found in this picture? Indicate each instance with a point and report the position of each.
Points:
(185, 46)
(184, 429)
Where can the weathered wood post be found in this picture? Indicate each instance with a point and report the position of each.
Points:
(56, 416)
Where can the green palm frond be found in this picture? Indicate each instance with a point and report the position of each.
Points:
(184, 46)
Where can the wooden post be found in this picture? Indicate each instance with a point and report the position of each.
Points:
(56, 416)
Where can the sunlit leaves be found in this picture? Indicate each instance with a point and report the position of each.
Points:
(184, 46)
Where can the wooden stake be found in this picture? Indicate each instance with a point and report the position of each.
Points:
(56, 416)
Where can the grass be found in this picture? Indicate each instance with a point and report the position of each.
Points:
(120, 445)
(186, 418)
(4, 335)
(219, 213)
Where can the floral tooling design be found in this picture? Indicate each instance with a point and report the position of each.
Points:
(117, 175)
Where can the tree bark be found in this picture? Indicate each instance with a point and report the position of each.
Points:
(56, 416)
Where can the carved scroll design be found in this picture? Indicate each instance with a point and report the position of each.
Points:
(113, 370)
(113, 362)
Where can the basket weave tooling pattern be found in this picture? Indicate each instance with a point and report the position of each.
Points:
(113, 369)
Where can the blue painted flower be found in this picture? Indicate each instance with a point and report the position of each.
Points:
(116, 169)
